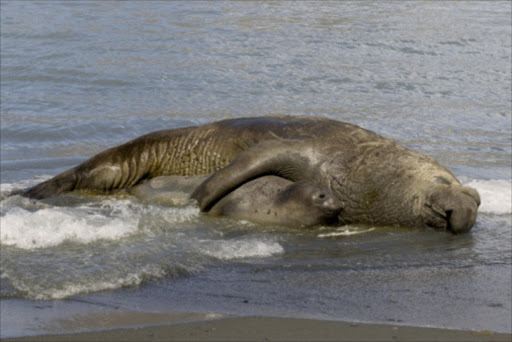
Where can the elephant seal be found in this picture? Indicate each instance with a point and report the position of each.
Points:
(268, 199)
(379, 181)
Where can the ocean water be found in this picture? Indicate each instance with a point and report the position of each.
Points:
(79, 77)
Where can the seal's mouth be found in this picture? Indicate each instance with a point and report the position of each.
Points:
(437, 218)
(331, 206)
(441, 219)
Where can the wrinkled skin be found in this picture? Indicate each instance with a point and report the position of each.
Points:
(267, 199)
(379, 181)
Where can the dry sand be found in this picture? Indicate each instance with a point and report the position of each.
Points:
(274, 329)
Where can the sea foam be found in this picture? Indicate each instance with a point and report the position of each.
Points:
(496, 196)
(61, 290)
(52, 226)
(245, 248)
(33, 224)
(345, 232)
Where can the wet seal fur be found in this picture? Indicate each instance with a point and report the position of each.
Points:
(267, 199)
(379, 181)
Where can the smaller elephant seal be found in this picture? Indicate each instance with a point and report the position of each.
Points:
(268, 199)
(272, 199)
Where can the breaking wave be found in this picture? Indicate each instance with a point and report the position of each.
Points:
(496, 195)
(58, 251)
(96, 243)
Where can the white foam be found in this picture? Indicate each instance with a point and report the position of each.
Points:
(88, 285)
(23, 184)
(52, 226)
(27, 224)
(179, 215)
(345, 232)
(247, 248)
(496, 196)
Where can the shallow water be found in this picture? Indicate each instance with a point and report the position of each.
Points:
(79, 77)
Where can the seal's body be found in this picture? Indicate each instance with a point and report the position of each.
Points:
(267, 199)
(379, 181)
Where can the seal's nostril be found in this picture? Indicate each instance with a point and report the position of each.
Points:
(448, 220)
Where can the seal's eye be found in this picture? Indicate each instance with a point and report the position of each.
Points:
(442, 180)
(322, 196)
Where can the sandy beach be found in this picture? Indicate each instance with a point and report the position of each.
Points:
(274, 329)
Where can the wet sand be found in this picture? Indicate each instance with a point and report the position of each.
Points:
(273, 329)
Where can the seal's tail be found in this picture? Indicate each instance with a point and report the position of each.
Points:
(65, 181)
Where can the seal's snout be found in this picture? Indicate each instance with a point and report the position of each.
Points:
(461, 215)
(455, 207)
(328, 202)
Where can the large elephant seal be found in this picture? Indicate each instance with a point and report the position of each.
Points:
(379, 181)
(268, 199)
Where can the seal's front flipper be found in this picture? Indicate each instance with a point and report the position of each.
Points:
(290, 159)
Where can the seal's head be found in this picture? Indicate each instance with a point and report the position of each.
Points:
(317, 200)
(325, 201)
(451, 207)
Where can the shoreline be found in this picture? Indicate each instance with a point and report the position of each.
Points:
(254, 328)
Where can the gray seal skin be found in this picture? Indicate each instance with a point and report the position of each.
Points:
(267, 199)
(168, 190)
(379, 181)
